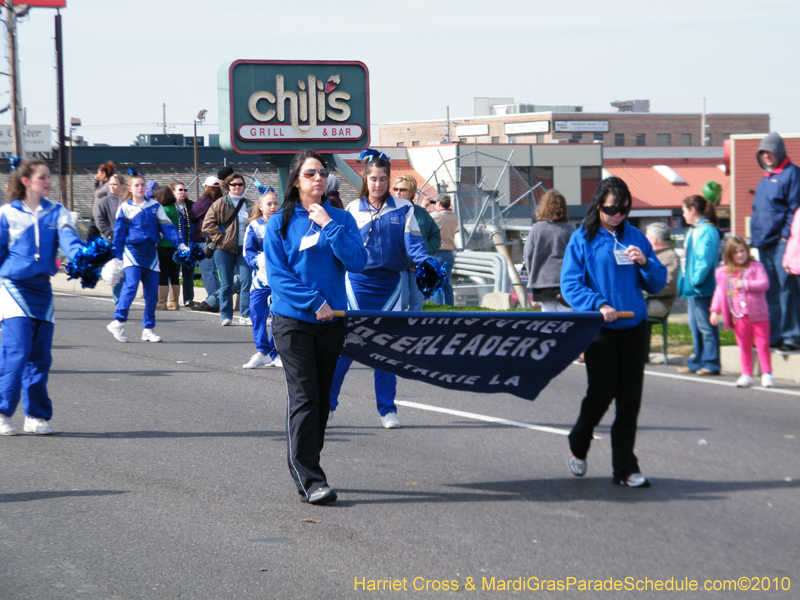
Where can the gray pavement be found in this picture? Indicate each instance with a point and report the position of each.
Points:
(167, 478)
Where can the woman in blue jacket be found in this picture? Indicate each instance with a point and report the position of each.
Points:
(696, 283)
(308, 246)
(31, 230)
(390, 233)
(606, 266)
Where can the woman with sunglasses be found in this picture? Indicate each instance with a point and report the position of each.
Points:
(184, 206)
(390, 234)
(606, 266)
(308, 247)
(225, 224)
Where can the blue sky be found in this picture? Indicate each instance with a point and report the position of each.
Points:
(124, 59)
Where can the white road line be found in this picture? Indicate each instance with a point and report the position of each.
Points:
(487, 419)
(713, 381)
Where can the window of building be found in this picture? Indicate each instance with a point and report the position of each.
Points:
(726, 136)
(599, 137)
(400, 144)
(540, 138)
(495, 139)
(686, 139)
(641, 139)
(590, 181)
(462, 140)
(663, 139)
(576, 137)
(619, 139)
(511, 140)
(708, 139)
(415, 143)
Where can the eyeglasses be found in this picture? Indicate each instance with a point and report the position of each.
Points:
(180, 190)
(613, 210)
(236, 184)
(311, 173)
(399, 189)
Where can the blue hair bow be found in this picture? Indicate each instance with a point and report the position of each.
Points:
(132, 172)
(369, 154)
(262, 189)
(13, 162)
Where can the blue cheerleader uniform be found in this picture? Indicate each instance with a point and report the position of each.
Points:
(137, 231)
(390, 235)
(28, 245)
(259, 288)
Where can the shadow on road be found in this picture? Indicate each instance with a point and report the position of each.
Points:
(28, 496)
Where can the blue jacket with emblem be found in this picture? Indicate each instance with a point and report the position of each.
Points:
(303, 280)
(591, 277)
(138, 230)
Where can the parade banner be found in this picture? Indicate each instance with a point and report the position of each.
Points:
(499, 352)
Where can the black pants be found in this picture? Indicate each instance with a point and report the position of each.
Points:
(615, 370)
(309, 352)
(168, 268)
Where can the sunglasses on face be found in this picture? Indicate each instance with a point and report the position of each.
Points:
(399, 189)
(613, 210)
(311, 173)
(236, 185)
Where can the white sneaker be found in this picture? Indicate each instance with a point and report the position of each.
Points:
(257, 360)
(767, 380)
(390, 421)
(277, 363)
(148, 335)
(226, 322)
(37, 426)
(244, 321)
(744, 381)
(117, 328)
(6, 428)
(576, 466)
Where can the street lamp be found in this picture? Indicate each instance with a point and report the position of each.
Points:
(201, 116)
(73, 123)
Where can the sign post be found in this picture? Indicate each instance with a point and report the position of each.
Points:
(276, 108)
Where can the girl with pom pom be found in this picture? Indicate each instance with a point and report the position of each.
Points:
(31, 230)
(390, 233)
(137, 230)
(266, 354)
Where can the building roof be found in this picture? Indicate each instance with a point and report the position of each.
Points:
(399, 167)
(652, 188)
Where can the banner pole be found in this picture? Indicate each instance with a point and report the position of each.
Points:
(625, 314)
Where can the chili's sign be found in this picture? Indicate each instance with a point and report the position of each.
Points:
(275, 107)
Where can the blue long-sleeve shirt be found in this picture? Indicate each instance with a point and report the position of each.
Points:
(28, 246)
(591, 277)
(137, 231)
(776, 200)
(253, 248)
(303, 280)
(390, 235)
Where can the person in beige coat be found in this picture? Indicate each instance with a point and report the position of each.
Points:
(660, 237)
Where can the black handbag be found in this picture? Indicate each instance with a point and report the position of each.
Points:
(211, 245)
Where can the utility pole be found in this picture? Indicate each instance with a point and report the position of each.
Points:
(62, 154)
(13, 76)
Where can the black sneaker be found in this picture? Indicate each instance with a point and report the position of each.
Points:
(788, 348)
(204, 307)
(323, 495)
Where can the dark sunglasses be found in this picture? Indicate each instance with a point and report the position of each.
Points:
(311, 173)
(399, 189)
(613, 210)
(236, 184)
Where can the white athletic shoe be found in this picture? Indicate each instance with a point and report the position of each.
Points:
(257, 360)
(226, 322)
(390, 421)
(117, 329)
(148, 335)
(37, 426)
(767, 380)
(277, 363)
(244, 321)
(576, 466)
(6, 428)
(744, 381)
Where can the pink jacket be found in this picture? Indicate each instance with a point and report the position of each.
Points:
(756, 284)
(791, 257)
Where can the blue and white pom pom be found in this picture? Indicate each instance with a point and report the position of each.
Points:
(431, 276)
(371, 154)
(113, 272)
(89, 261)
(189, 256)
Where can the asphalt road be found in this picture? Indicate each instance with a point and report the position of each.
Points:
(167, 478)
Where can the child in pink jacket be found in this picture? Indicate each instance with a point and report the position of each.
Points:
(791, 256)
(741, 298)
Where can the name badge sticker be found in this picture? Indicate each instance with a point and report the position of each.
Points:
(620, 256)
(309, 241)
